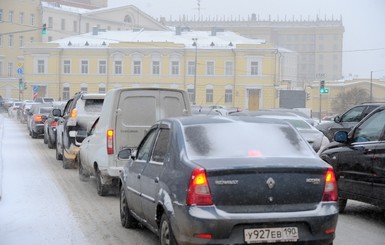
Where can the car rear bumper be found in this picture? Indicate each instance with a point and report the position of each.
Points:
(228, 228)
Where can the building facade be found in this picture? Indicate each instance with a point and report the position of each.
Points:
(223, 68)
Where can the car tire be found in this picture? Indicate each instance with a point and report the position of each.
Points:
(45, 138)
(49, 143)
(33, 135)
(342, 204)
(127, 220)
(67, 163)
(166, 234)
(59, 156)
(83, 176)
(101, 189)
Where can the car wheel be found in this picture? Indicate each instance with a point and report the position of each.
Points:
(45, 138)
(67, 163)
(49, 143)
(100, 187)
(59, 155)
(165, 232)
(83, 176)
(127, 220)
(33, 134)
(342, 204)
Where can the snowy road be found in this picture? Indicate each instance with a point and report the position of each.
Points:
(42, 203)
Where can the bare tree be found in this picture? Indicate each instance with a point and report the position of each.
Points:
(348, 99)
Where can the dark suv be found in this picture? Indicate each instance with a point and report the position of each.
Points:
(358, 158)
(348, 119)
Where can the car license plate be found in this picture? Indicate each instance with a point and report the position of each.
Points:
(271, 235)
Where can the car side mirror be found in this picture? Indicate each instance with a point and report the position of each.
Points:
(56, 112)
(125, 154)
(337, 119)
(341, 136)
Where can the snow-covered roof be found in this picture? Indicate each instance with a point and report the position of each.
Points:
(205, 39)
(65, 8)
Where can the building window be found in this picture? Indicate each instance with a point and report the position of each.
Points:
(87, 27)
(254, 68)
(102, 89)
(191, 68)
(155, 67)
(228, 95)
(50, 22)
(137, 67)
(210, 68)
(75, 26)
(83, 88)
(1, 15)
(191, 94)
(84, 67)
(127, 19)
(66, 93)
(10, 40)
(63, 25)
(118, 67)
(102, 67)
(40, 67)
(229, 68)
(32, 19)
(1, 40)
(174, 67)
(21, 41)
(10, 16)
(21, 18)
(209, 95)
(10, 69)
(66, 66)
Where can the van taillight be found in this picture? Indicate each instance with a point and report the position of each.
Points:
(198, 191)
(110, 141)
(74, 113)
(331, 189)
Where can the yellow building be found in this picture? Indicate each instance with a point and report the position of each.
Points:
(231, 70)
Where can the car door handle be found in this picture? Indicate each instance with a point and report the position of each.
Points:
(156, 180)
(139, 175)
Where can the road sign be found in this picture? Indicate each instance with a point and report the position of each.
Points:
(19, 70)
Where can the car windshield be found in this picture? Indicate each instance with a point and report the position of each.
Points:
(228, 140)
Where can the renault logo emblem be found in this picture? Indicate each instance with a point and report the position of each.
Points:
(270, 183)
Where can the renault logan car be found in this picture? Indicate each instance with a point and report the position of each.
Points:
(219, 180)
(359, 160)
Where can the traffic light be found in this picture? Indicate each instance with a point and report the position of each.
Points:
(21, 85)
(322, 87)
(44, 29)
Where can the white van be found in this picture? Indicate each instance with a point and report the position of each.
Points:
(126, 116)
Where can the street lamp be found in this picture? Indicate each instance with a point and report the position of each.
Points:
(195, 44)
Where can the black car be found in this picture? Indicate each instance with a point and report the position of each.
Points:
(358, 158)
(204, 180)
(347, 120)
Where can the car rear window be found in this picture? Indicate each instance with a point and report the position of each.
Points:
(93, 105)
(241, 139)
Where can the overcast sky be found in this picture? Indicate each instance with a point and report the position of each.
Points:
(364, 21)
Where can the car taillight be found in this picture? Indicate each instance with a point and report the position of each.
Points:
(198, 191)
(53, 124)
(331, 189)
(74, 113)
(37, 118)
(110, 141)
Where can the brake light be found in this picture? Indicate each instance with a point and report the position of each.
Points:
(110, 141)
(37, 118)
(74, 113)
(198, 192)
(53, 124)
(331, 189)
